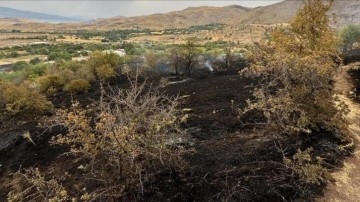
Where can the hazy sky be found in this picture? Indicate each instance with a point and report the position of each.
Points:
(108, 8)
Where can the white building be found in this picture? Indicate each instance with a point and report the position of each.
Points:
(120, 52)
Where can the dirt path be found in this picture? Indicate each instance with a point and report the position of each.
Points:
(347, 185)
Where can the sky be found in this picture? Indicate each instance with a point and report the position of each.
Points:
(110, 8)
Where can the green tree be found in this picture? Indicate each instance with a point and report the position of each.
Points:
(349, 36)
(35, 61)
(13, 54)
(59, 56)
(129, 48)
(19, 65)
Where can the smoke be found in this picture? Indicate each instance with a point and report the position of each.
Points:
(208, 65)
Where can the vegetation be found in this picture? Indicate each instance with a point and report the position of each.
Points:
(185, 56)
(58, 51)
(19, 65)
(120, 153)
(349, 36)
(295, 95)
(59, 56)
(124, 141)
(40, 188)
(310, 171)
(23, 71)
(35, 61)
(103, 64)
(194, 29)
(228, 56)
(296, 70)
(49, 82)
(313, 35)
(22, 101)
(190, 53)
(104, 72)
(175, 58)
(77, 86)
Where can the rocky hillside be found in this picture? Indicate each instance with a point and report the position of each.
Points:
(347, 11)
(178, 19)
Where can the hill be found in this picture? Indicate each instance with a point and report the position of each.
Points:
(6, 12)
(346, 12)
(177, 19)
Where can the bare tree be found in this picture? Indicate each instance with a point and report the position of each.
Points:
(228, 55)
(190, 53)
(176, 59)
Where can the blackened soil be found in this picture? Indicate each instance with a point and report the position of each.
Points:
(355, 76)
(230, 161)
(351, 56)
(214, 102)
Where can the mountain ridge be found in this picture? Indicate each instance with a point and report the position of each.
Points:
(7, 12)
(281, 12)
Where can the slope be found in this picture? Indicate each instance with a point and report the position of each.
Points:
(6, 12)
(346, 12)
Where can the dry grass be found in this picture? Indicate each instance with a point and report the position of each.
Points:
(19, 39)
(75, 39)
(243, 34)
(27, 58)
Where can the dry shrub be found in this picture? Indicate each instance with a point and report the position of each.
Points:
(296, 93)
(48, 82)
(55, 79)
(307, 169)
(22, 100)
(40, 189)
(126, 146)
(295, 70)
(104, 72)
(73, 65)
(103, 64)
(86, 73)
(65, 76)
(77, 86)
(122, 149)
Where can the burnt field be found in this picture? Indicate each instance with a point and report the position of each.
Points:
(355, 75)
(232, 159)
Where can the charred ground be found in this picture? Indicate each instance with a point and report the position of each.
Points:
(355, 75)
(231, 160)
